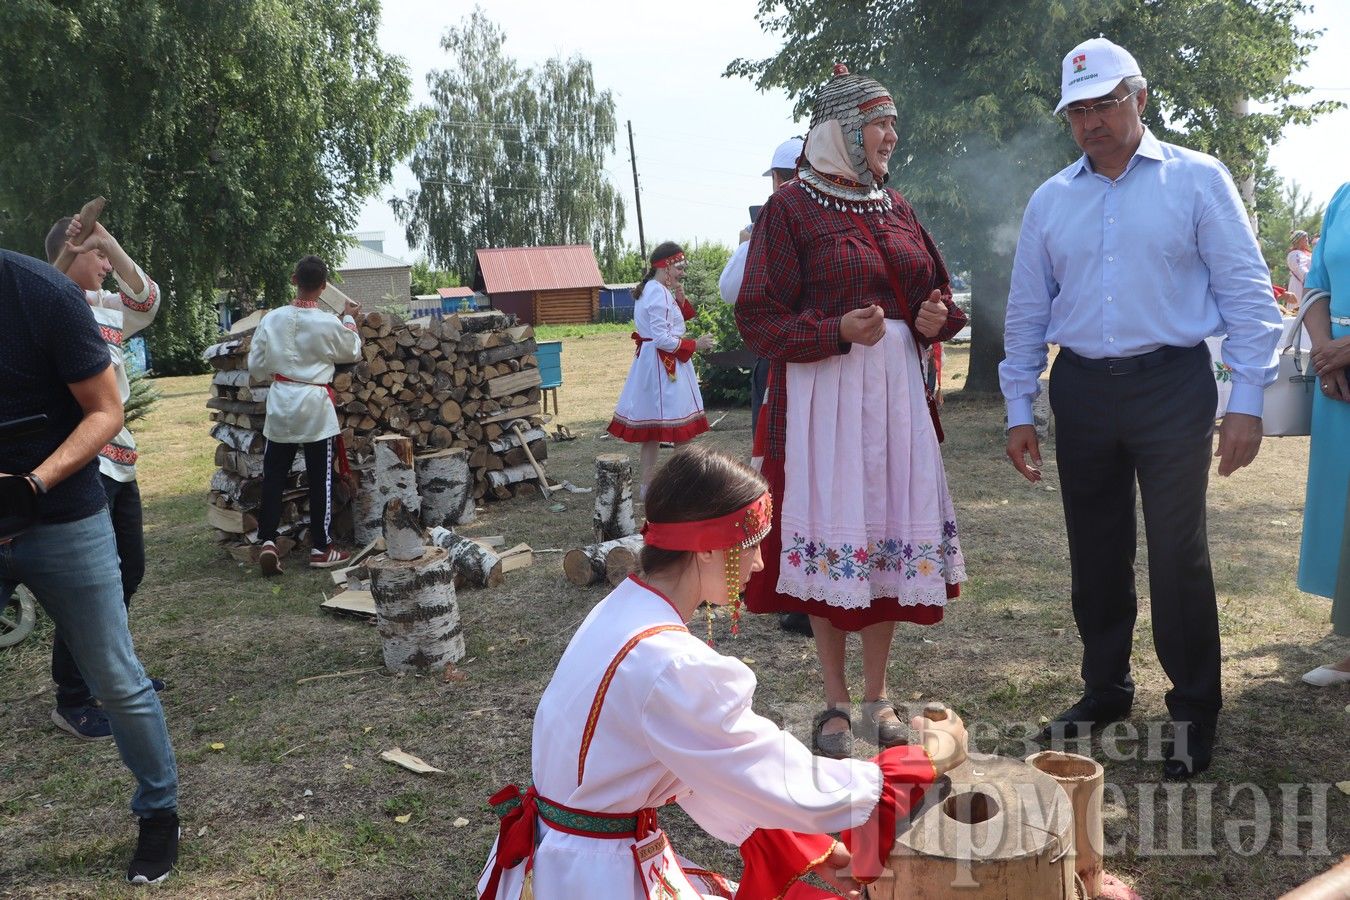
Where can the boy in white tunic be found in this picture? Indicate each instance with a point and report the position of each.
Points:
(641, 713)
(119, 314)
(298, 346)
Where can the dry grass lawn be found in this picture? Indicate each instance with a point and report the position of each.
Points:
(298, 804)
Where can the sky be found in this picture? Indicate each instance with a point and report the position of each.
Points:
(702, 140)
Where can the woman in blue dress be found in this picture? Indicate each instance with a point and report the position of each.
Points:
(1324, 559)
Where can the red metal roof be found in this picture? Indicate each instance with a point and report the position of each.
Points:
(455, 292)
(511, 269)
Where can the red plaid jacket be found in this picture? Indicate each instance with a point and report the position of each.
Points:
(808, 265)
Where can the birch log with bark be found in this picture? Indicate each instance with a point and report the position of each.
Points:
(613, 517)
(394, 475)
(404, 537)
(587, 565)
(446, 487)
(474, 565)
(367, 511)
(416, 611)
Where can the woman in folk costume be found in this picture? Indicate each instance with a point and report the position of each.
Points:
(843, 288)
(661, 401)
(641, 713)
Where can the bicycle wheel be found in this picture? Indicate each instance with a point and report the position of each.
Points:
(17, 617)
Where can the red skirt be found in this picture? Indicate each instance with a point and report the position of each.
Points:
(761, 595)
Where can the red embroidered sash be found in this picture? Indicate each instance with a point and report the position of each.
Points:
(340, 446)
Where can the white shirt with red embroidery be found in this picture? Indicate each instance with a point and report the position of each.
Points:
(676, 724)
(121, 314)
(302, 344)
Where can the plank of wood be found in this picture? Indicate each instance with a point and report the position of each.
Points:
(359, 602)
(399, 758)
(515, 412)
(513, 383)
(521, 556)
(235, 521)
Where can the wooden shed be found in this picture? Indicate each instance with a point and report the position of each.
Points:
(541, 285)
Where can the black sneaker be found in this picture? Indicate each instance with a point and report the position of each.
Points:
(88, 723)
(156, 849)
(157, 684)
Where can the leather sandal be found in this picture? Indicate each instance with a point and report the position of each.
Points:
(836, 745)
(882, 732)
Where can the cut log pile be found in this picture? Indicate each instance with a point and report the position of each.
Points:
(452, 382)
(463, 390)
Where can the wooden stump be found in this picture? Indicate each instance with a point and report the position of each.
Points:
(613, 517)
(445, 485)
(622, 561)
(474, 565)
(404, 537)
(367, 511)
(416, 611)
(394, 475)
(589, 565)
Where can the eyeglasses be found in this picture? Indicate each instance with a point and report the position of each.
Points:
(1101, 110)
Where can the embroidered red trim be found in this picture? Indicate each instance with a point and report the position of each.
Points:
(110, 335)
(135, 305)
(874, 103)
(741, 528)
(669, 261)
(671, 434)
(588, 733)
(119, 455)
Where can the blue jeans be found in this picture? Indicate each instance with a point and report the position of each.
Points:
(73, 571)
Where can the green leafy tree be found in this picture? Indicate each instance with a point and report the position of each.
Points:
(1283, 209)
(425, 279)
(515, 156)
(626, 268)
(720, 384)
(229, 138)
(975, 82)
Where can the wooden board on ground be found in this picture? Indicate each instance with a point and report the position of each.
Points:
(521, 556)
(358, 603)
(235, 521)
(410, 762)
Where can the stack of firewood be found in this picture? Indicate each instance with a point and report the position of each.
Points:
(464, 389)
(459, 381)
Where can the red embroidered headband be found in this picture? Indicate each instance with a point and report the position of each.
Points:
(669, 261)
(741, 529)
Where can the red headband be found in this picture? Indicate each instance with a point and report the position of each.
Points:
(669, 261)
(743, 528)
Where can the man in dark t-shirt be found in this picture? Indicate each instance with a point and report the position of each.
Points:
(54, 362)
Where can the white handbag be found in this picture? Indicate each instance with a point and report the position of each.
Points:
(1289, 399)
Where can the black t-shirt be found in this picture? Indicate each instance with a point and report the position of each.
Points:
(48, 340)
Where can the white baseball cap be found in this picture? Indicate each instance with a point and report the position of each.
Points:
(785, 157)
(1093, 69)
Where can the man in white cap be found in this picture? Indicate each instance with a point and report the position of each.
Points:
(1128, 259)
(781, 170)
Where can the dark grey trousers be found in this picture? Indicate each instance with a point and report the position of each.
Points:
(1155, 427)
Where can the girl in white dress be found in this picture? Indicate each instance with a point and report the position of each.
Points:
(661, 402)
(641, 713)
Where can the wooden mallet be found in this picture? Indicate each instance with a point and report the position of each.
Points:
(88, 217)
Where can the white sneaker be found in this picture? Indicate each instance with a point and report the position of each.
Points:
(1326, 676)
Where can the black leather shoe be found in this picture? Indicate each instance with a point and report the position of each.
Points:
(797, 623)
(1190, 752)
(1081, 719)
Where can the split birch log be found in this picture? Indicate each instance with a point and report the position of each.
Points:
(473, 564)
(367, 512)
(445, 485)
(587, 565)
(613, 517)
(416, 611)
(394, 475)
(404, 537)
(511, 476)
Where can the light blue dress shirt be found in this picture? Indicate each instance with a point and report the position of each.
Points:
(1163, 256)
